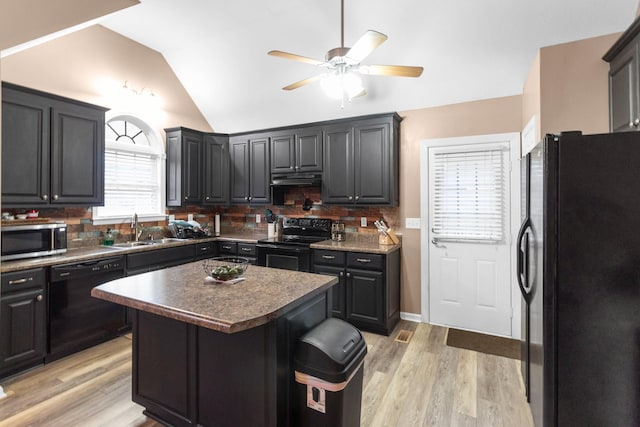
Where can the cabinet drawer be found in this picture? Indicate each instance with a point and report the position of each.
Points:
(321, 256)
(368, 261)
(246, 249)
(227, 248)
(25, 279)
(206, 250)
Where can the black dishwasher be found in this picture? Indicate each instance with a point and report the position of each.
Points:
(76, 319)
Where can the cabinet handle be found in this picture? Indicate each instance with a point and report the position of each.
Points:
(350, 197)
(328, 257)
(204, 249)
(20, 281)
(245, 249)
(45, 197)
(357, 197)
(226, 247)
(55, 197)
(39, 298)
(363, 260)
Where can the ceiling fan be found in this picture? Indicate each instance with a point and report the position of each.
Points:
(343, 65)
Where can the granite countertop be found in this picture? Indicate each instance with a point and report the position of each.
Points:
(100, 252)
(182, 293)
(357, 245)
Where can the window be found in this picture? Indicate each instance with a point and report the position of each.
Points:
(134, 172)
(469, 195)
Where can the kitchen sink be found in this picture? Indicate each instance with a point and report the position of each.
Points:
(131, 244)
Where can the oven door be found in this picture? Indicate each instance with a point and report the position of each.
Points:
(288, 257)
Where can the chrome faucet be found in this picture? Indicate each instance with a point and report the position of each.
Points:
(138, 229)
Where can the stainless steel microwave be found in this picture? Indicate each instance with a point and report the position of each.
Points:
(30, 241)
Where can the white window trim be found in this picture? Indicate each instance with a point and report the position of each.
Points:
(156, 140)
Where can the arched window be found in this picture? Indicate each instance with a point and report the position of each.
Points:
(134, 172)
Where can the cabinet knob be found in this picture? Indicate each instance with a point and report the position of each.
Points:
(55, 197)
(636, 122)
(342, 274)
(297, 167)
(246, 197)
(186, 198)
(39, 298)
(290, 167)
(208, 198)
(350, 197)
(45, 197)
(348, 274)
(249, 198)
(357, 197)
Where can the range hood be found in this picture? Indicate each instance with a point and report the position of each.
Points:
(296, 180)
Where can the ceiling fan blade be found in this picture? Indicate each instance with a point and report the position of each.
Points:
(365, 45)
(391, 70)
(293, 56)
(296, 85)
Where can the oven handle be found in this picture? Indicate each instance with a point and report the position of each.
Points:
(281, 248)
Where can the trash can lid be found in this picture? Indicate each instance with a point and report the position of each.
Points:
(331, 351)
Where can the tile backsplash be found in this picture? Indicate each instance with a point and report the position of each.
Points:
(81, 232)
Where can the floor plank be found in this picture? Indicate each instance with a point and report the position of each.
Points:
(422, 382)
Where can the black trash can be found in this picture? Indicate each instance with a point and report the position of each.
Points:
(329, 363)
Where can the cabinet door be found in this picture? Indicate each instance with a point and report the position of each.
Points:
(77, 155)
(216, 169)
(25, 148)
(624, 91)
(337, 181)
(22, 323)
(338, 296)
(192, 167)
(308, 150)
(372, 161)
(283, 153)
(174, 168)
(239, 152)
(259, 190)
(365, 296)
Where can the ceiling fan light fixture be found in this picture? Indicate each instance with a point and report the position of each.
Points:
(338, 85)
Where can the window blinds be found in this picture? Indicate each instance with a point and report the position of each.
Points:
(131, 183)
(469, 195)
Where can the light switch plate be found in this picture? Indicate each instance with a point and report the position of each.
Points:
(363, 221)
(412, 223)
(257, 218)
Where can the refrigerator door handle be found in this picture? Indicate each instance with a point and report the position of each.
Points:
(523, 256)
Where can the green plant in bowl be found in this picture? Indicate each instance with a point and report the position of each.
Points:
(225, 268)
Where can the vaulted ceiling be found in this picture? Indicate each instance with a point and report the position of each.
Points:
(470, 50)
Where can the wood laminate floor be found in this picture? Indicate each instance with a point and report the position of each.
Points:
(422, 383)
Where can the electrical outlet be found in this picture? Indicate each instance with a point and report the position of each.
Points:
(172, 217)
(413, 223)
(257, 218)
(363, 221)
(189, 217)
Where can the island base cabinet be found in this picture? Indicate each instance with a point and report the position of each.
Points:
(186, 375)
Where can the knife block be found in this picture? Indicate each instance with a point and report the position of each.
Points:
(384, 240)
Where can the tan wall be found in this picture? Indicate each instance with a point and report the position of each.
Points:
(22, 21)
(92, 65)
(574, 86)
(531, 96)
(472, 118)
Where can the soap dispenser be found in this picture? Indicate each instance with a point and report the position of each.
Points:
(108, 238)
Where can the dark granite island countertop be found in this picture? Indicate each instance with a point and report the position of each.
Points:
(183, 294)
(211, 354)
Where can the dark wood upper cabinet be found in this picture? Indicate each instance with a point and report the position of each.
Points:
(184, 166)
(52, 151)
(624, 81)
(216, 169)
(249, 162)
(297, 150)
(361, 163)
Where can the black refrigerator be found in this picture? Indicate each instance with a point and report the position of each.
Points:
(578, 257)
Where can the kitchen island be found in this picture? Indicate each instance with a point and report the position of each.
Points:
(218, 354)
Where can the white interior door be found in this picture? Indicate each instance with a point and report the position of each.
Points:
(467, 239)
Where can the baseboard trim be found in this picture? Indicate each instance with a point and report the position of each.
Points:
(411, 317)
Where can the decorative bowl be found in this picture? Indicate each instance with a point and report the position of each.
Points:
(225, 268)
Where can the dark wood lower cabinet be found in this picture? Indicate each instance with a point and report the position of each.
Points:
(186, 375)
(368, 292)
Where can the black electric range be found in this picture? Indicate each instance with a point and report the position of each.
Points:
(292, 251)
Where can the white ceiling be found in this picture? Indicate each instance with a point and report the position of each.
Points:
(470, 50)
